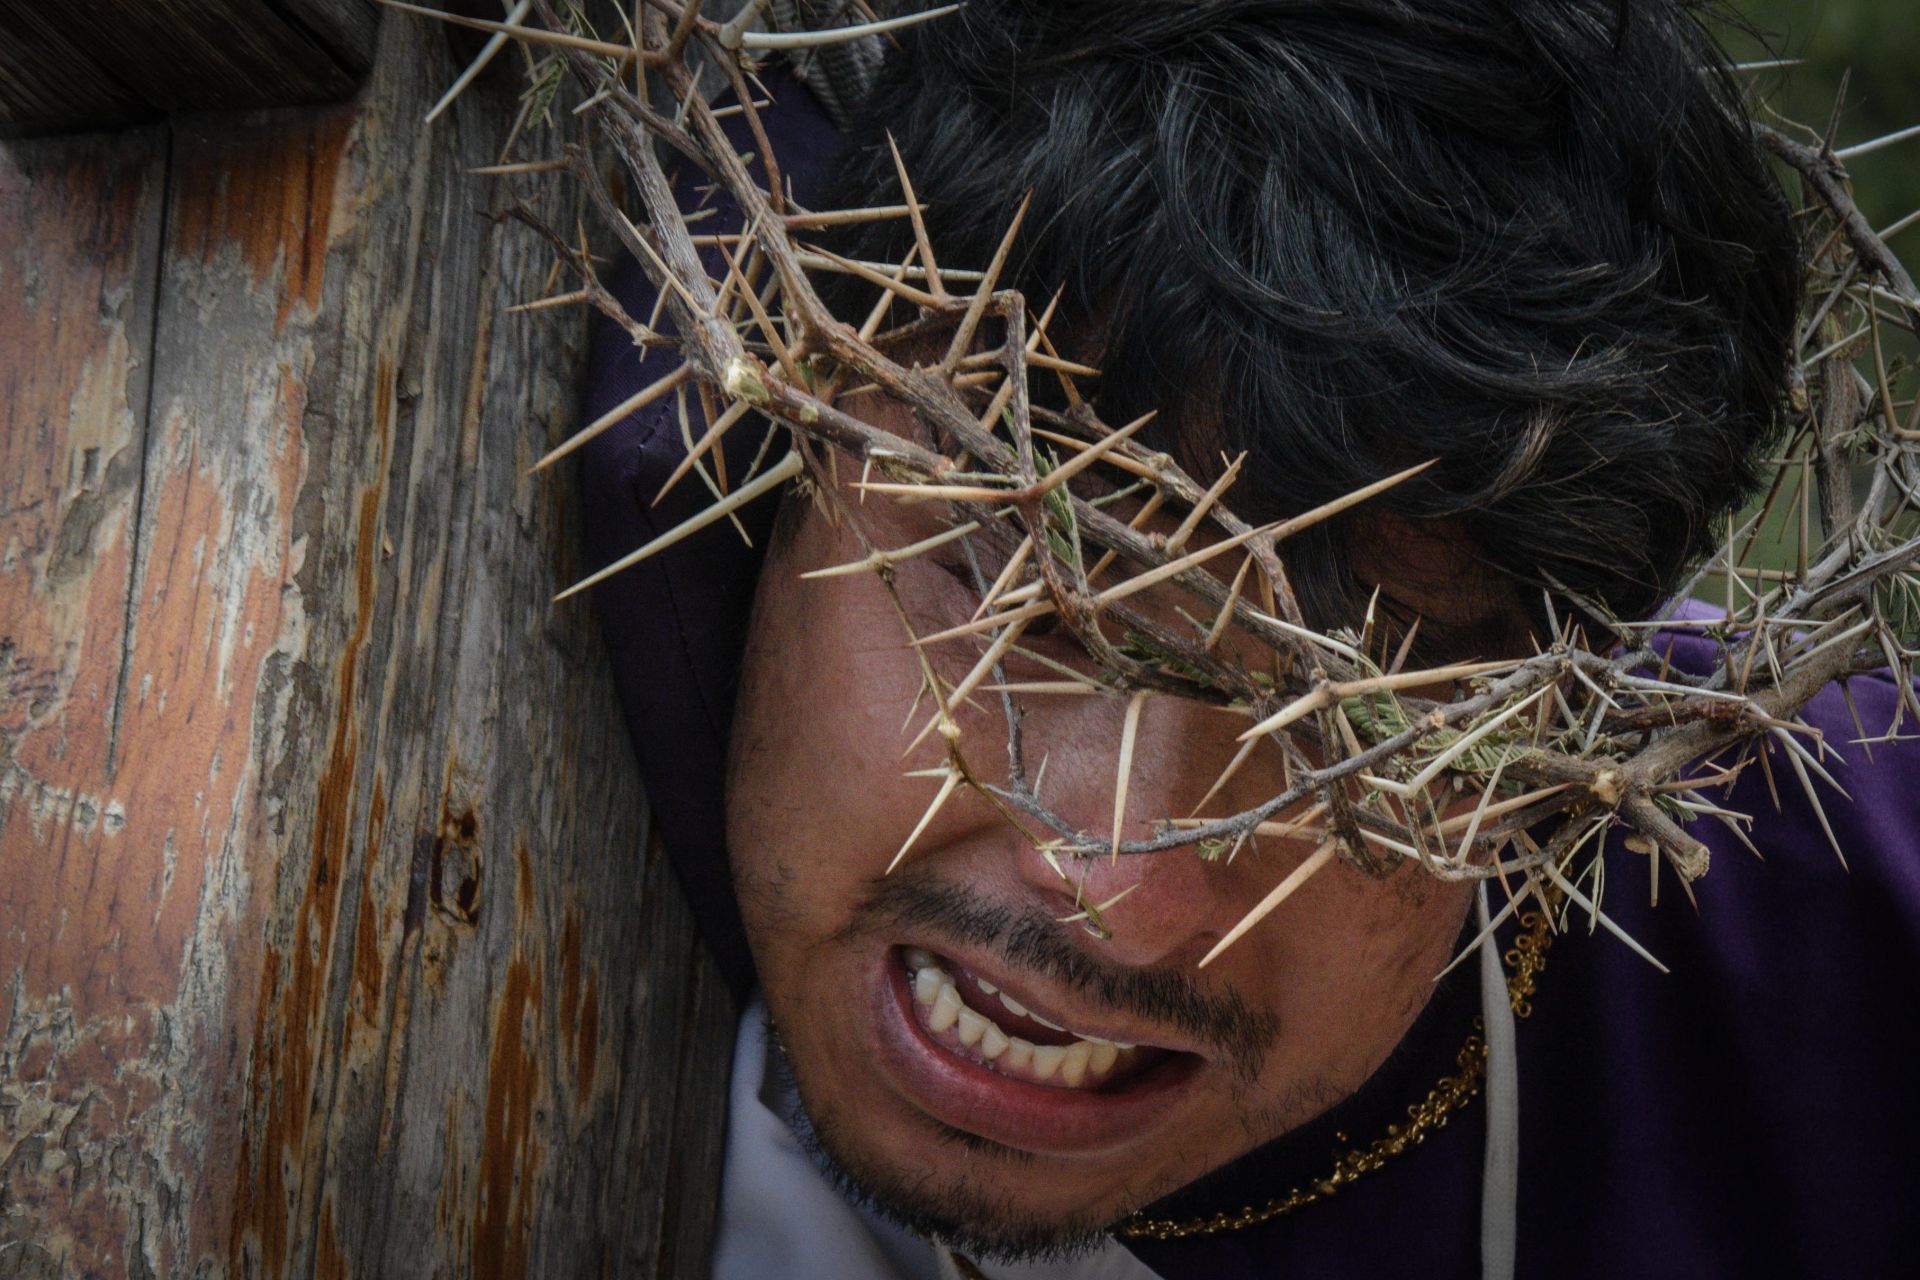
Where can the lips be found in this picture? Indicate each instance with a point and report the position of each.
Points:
(971, 1016)
(972, 1056)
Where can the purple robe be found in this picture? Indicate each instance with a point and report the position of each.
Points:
(1751, 1113)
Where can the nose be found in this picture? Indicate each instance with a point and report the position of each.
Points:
(1176, 903)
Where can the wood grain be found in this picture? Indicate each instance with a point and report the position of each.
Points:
(330, 941)
(84, 64)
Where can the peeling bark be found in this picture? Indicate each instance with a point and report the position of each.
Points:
(330, 942)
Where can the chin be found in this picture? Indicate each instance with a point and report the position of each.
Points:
(946, 1185)
(984, 1107)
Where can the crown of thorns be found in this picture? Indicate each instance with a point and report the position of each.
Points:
(1523, 773)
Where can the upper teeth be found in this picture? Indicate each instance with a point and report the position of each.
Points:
(1083, 1062)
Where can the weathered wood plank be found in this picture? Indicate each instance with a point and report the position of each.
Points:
(49, 81)
(329, 938)
(76, 315)
(92, 63)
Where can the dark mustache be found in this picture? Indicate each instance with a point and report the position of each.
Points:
(1036, 943)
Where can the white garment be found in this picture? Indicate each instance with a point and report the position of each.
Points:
(780, 1219)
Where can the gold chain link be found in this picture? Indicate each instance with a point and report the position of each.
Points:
(1525, 958)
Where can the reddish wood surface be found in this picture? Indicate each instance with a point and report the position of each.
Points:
(330, 942)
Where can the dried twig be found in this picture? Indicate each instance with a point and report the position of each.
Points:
(1477, 770)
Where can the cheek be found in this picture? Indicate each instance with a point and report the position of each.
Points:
(1373, 948)
(814, 793)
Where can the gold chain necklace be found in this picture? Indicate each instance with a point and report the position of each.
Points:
(1525, 958)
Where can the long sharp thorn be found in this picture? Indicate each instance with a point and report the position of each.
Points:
(1303, 633)
(1180, 535)
(1039, 608)
(715, 480)
(1147, 510)
(1872, 145)
(1087, 457)
(1280, 830)
(1513, 904)
(841, 217)
(1094, 911)
(1306, 704)
(1129, 733)
(1173, 568)
(1846, 692)
(1281, 892)
(1786, 729)
(781, 471)
(885, 303)
(1327, 510)
(1794, 754)
(1731, 823)
(1054, 364)
(1566, 886)
(938, 289)
(542, 304)
(1480, 812)
(1400, 847)
(1065, 688)
(977, 307)
(1018, 558)
(708, 438)
(532, 35)
(914, 706)
(521, 166)
(1450, 825)
(883, 559)
(1045, 318)
(837, 35)
(1226, 774)
(1225, 615)
(990, 417)
(1898, 225)
(947, 786)
(918, 297)
(949, 492)
(632, 404)
(1413, 679)
(817, 259)
(988, 660)
(494, 44)
(1141, 469)
(772, 331)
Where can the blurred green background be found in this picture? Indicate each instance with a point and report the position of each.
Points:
(1880, 41)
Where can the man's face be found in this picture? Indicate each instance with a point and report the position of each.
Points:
(948, 1123)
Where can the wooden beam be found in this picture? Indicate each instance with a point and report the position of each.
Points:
(330, 936)
(88, 64)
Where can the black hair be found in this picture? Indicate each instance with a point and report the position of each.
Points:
(1533, 239)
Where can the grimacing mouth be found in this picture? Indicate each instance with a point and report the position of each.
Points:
(978, 1019)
